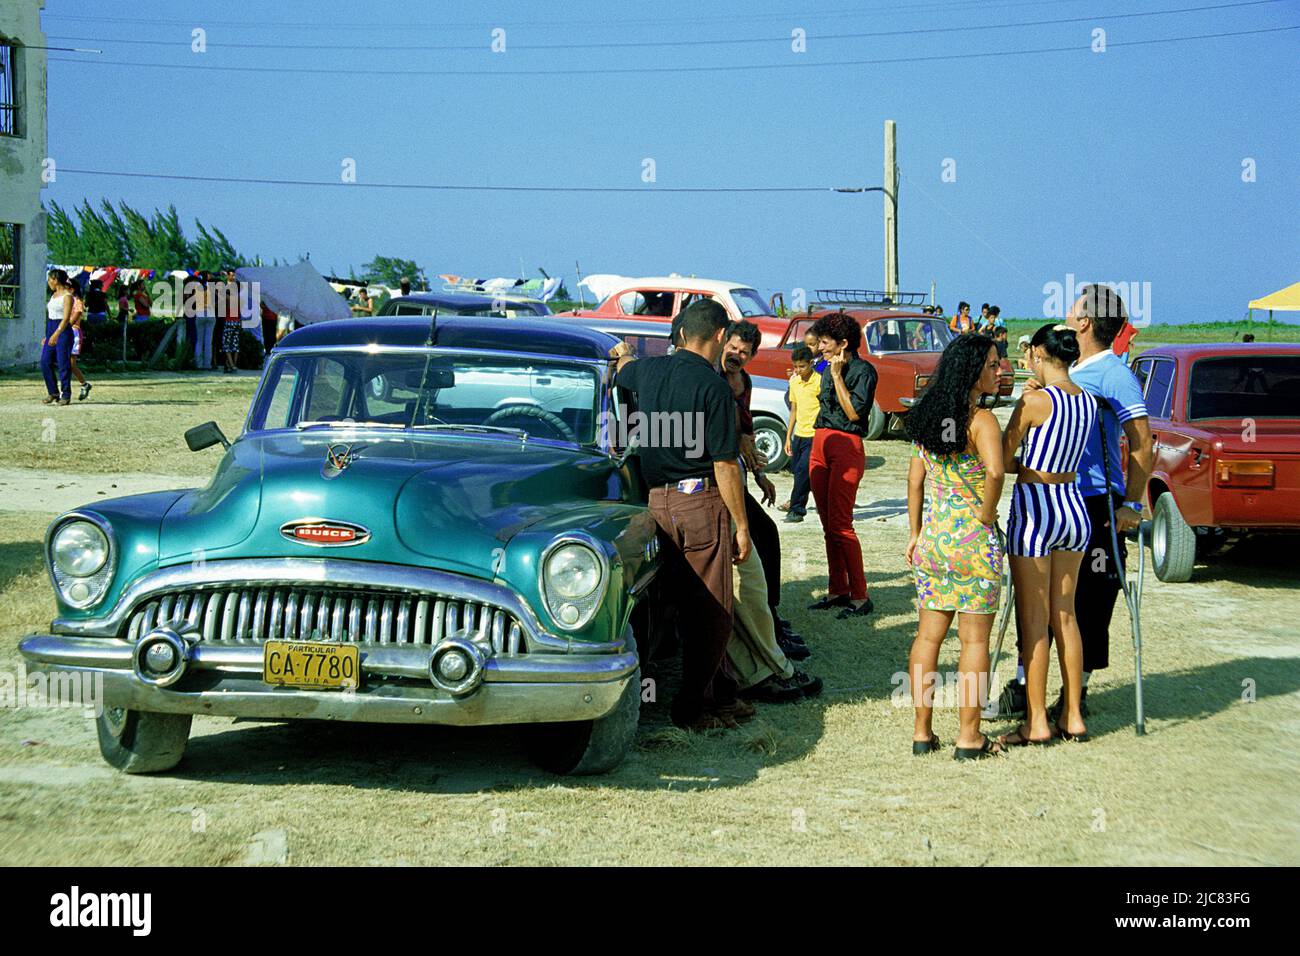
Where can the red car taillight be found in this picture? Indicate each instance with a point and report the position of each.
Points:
(1244, 474)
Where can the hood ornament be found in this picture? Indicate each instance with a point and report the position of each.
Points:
(337, 459)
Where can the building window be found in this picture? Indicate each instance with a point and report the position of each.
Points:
(9, 90)
(10, 256)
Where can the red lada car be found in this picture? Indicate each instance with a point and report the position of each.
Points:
(1225, 420)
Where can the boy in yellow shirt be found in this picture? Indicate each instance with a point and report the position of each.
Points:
(805, 386)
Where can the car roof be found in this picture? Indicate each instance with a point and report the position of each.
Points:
(720, 286)
(540, 336)
(868, 315)
(462, 300)
(1208, 349)
(646, 327)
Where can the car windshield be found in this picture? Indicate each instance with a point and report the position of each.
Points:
(907, 335)
(750, 303)
(555, 401)
(1246, 386)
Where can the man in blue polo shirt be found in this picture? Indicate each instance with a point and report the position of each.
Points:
(1097, 317)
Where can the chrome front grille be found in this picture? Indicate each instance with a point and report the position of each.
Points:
(255, 614)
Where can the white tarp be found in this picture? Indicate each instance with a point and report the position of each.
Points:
(298, 291)
(603, 285)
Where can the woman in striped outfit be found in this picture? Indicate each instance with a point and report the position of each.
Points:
(1048, 529)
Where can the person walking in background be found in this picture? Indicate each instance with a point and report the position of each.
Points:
(191, 295)
(961, 323)
(696, 496)
(805, 386)
(984, 324)
(1048, 530)
(269, 322)
(226, 301)
(954, 551)
(123, 304)
(206, 322)
(143, 303)
(96, 303)
(364, 305)
(78, 338)
(1000, 341)
(814, 346)
(837, 461)
(56, 346)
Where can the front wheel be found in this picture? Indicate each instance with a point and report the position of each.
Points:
(1173, 542)
(876, 422)
(134, 741)
(587, 747)
(769, 440)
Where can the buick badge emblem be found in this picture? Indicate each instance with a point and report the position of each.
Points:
(337, 459)
(324, 534)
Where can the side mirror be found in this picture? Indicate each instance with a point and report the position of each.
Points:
(205, 436)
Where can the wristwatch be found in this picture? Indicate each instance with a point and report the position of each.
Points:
(1133, 505)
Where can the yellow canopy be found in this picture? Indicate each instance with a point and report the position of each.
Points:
(1283, 300)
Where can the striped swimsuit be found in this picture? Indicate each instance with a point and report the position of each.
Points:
(1046, 517)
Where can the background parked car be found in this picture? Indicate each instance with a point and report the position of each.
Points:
(1225, 419)
(464, 303)
(767, 402)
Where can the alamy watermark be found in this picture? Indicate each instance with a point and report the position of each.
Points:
(629, 429)
(84, 689)
(1135, 295)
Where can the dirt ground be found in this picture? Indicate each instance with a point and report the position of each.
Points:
(832, 780)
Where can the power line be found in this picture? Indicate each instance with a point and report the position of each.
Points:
(957, 6)
(730, 41)
(677, 69)
(447, 187)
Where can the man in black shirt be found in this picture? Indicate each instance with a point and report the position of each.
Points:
(685, 429)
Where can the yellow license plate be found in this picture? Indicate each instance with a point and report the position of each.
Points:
(311, 664)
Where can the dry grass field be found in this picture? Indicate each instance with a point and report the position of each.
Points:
(1216, 780)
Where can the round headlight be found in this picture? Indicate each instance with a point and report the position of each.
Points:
(573, 571)
(79, 548)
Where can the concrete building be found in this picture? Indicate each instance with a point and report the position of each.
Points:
(22, 165)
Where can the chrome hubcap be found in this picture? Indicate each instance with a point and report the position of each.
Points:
(768, 444)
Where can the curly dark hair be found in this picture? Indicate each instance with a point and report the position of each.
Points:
(939, 421)
(841, 327)
(748, 332)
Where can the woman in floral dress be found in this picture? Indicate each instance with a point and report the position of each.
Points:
(954, 549)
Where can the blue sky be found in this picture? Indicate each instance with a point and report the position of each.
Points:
(1123, 165)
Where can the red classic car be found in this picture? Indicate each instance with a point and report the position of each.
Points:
(661, 298)
(903, 346)
(1225, 419)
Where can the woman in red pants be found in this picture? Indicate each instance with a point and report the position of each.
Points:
(837, 461)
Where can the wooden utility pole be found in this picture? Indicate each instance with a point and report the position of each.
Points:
(891, 209)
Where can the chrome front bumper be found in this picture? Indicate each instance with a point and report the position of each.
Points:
(226, 681)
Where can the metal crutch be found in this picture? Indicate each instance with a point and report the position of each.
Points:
(1132, 590)
(1004, 617)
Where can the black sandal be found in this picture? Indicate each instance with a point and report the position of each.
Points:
(1025, 740)
(922, 747)
(979, 753)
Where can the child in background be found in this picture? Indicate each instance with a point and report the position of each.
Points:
(805, 387)
(74, 326)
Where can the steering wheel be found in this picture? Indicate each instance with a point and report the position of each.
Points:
(536, 413)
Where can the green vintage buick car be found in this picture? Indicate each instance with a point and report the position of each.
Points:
(423, 521)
